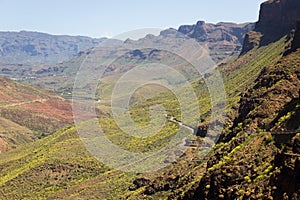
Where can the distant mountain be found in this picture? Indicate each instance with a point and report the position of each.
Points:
(35, 48)
(223, 39)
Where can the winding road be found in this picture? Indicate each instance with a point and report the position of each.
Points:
(22, 103)
(174, 120)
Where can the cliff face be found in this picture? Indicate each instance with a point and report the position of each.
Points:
(276, 19)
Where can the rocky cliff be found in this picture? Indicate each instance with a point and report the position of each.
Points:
(276, 19)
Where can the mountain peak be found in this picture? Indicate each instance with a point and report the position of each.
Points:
(200, 23)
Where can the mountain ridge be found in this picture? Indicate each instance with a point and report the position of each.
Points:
(27, 47)
(223, 36)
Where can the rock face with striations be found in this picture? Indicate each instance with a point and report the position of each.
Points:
(276, 19)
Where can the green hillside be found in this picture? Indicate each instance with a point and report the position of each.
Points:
(59, 166)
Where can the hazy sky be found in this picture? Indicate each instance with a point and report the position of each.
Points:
(107, 18)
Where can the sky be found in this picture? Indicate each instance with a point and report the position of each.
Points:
(98, 18)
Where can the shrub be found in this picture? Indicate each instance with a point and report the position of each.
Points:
(268, 139)
(247, 179)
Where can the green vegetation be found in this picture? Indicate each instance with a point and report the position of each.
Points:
(237, 77)
(58, 165)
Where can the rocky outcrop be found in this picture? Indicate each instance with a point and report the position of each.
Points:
(276, 19)
(275, 88)
(198, 31)
(252, 39)
(286, 179)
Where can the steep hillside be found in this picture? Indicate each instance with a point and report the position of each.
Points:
(275, 87)
(247, 164)
(24, 111)
(35, 48)
(256, 157)
(238, 76)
